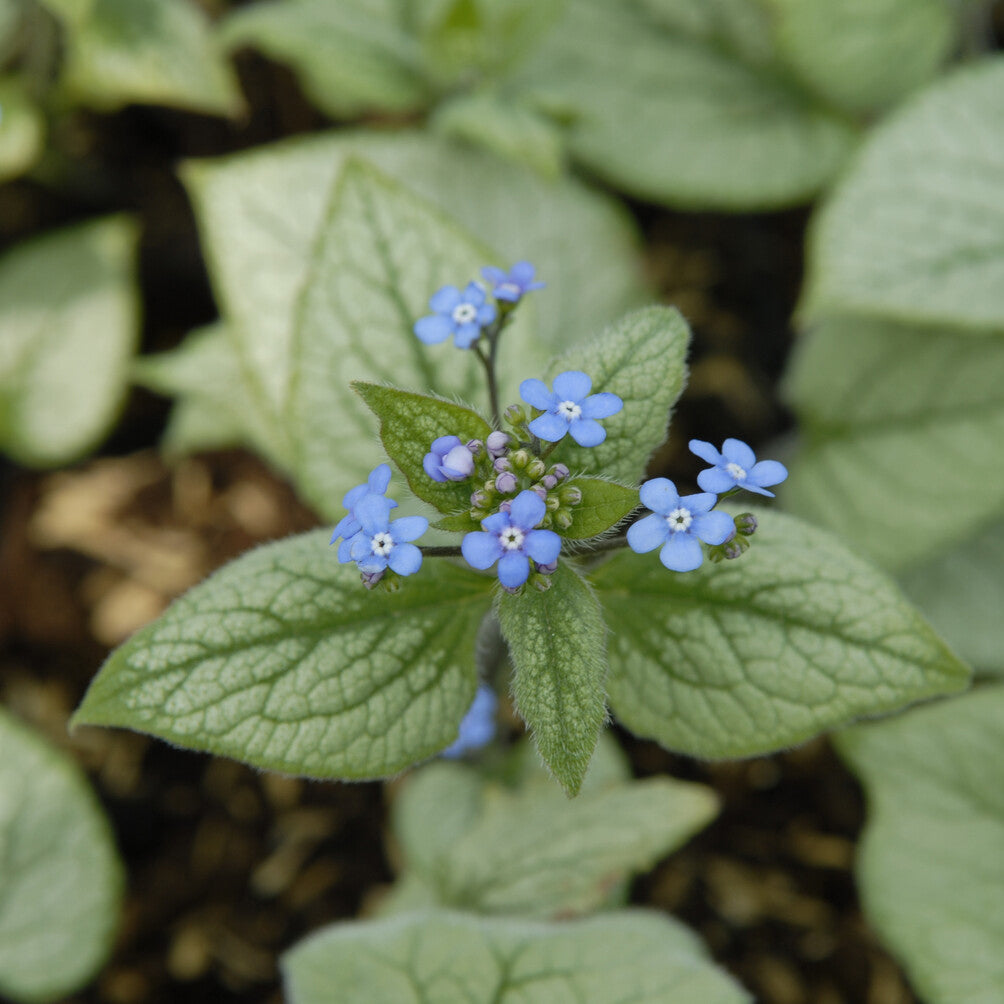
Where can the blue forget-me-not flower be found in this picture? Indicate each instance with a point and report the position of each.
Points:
(736, 467)
(513, 285)
(510, 538)
(448, 459)
(381, 544)
(678, 525)
(569, 408)
(477, 728)
(348, 526)
(461, 314)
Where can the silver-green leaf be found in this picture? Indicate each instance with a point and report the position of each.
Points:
(749, 656)
(22, 131)
(283, 660)
(930, 867)
(454, 958)
(69, 323)
(60, 876)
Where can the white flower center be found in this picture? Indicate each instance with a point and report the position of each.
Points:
(679, 520)
(569, 411)
(382, 544)
(736, 471)
(512, 538)
(464, 313)
(507, 287)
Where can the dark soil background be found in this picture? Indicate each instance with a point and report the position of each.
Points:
(227, 866)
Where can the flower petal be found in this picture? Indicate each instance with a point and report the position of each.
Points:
(705, 451)
(354, 496)
(433, 329)
(766, 473)
(430, 464)
(360, 547)
(714, 479)
(466, 334)
(659, 495)
(601, 405)
(737, 452)
(474, 294)
(514, 569)
(543, 546)
(348, 526)
(444, 300)
(405, 559)
(699, 503)
(713, 527)
(647, 534)
(372, 563)
(572, 385)
(481, 550)
(443, 444)
(408, 528)
(522, 273)
(379, 479)
(681, 553)
(527, 510)
(535, 393)
(548, 427)
(496, 523)
(493, 275)
(587, 432)
(373, 513)
(345, 550)
(486, 314)
(758, 491)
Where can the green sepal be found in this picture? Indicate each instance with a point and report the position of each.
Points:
(604, 504)
(409, 423)
(557, 642)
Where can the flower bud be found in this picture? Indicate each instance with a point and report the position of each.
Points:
(370, 579)
(541, 583)
(732, 549)
(519, 458)
(746, 524)
(505, 505)
(535, 469)
(497, 443)
(480, 499)
(501, 464)
(563, 519)
(489, 486)
(506, 482)
(475, 446)
(549, 481)
(548, 569)
(560, 471)
(514, 415)
(552, 502)
(458, 464)
(540, 491)
(570, 495)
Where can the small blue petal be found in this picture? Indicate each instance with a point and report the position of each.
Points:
(372, 563)
(443, 444)
(477, 728)
(647, 534)
(758, 491)
(379, 479)
(587, 432)
(527, 510)
(705, 451)
(543, 546)
(433, 329)
(481, 550)
(360, 547)
(601, 405)
(714, 479)
(408, 528)
(373, 513)
(548, 427)
(445, 300)
(474, 294)
(493, 275)
(703, 502)
(405, 559)
(486, 314)
(572, 385)
(496, 523)
(535, 393)
(713, 527)
(659, 495)
(766, 473)
(430, 464)
(681, 553)
(347, 526)
(354, 496)
(514, 569)
(522, 273)
(735, 451)
(345, 550)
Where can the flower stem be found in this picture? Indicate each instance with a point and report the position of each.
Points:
(488, 361)
(446, 551)
(607, 544)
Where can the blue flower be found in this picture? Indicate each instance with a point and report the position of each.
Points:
(736, 467)
(510, 539)
(478, 726)
(448, 460)
(462, 315)
(569, 408)
(515, 284)
(380, 544)
(679, 525)
(348, 526)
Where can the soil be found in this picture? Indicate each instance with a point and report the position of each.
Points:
(227, 866)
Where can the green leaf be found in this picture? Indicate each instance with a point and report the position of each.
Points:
(350, 57)
(642, 359)
(740, 28)
(69, 320)
(502, 125)
(913, 232)
(445, 957)
(962, 594)
(216, 409)
(381, 254)
(903, 425)
(283, 660)
(22, 129)
(408, 425)
(863, 54)
(60, 876)
(557, 644)
(525, 851)
(674, 117)
(149, 51)
(749, 656)
(930, 868)
(604, 504)
(458, 523)
(260, 213)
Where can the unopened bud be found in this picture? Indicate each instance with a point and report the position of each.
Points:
(497, 443)
(370, 579)
(535, 469)
(541, 583)
(746, 524)
(560, 471)
(489, 486)
(475, 446)
(549, 481)
(514, 415)
(506, 482)
(479, 499)
(519, 458)
(570, 495)
(501, 464)
(552, 502)
(540, 491)
(563, 519)
(505, 505)
(548, 569)
(732, 550)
